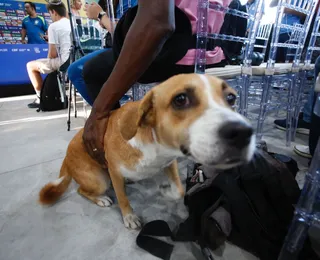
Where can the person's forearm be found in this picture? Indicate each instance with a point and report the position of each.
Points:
(23, 34)
(143, 42)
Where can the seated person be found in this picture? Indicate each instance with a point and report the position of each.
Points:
(59, 49)
(151, 47)
(76, 6)
(75, 69)
(290, 17)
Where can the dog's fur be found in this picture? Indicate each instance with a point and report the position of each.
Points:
(146, 137)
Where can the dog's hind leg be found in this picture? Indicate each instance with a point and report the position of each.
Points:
(94, 182)
(100, 200)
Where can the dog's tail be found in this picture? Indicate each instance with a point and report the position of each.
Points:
(52, 191)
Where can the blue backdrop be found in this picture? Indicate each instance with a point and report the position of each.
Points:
(13, 55)
(13, 60)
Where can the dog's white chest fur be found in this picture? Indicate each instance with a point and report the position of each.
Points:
(155, 158)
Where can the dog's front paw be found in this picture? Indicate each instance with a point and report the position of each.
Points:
(131, 221)
(171, 191)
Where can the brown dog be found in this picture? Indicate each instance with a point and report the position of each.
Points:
(186, 116)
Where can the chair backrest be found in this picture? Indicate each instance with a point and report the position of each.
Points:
(297, 31)
(203, 35)
(315, 34)
(294, 39)
(262, 38)
(88, 33)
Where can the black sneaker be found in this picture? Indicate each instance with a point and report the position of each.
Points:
(302, 128)
(34, 104)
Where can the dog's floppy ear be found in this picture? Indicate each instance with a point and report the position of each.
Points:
(134, 117)
(146, 112)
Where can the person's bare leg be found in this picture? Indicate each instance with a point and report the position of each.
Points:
(36, 80)
(34, 75)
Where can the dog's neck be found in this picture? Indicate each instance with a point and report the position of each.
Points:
(146, 140)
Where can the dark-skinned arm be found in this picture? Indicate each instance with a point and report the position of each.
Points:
(150, 29)
(152, 26)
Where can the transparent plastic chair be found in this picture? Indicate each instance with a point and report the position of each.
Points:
(304, 89)
(307, 8)
(244, 71)
(307, 210)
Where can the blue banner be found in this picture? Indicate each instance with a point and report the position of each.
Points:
(14, 58)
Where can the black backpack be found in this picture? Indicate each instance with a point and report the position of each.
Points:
(257, 198)
(236, 26)
(251, 206)
(50, 98)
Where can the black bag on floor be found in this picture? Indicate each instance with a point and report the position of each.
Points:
(251, 206)
(50, 98)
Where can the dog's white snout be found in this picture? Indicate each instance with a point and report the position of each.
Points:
(221, 136)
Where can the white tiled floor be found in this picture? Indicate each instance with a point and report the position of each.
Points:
(32, 146)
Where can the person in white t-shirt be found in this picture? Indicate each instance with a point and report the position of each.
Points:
(59, 39)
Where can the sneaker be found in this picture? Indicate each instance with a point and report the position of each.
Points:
(302, 150)
(302, 128)
(34, 104)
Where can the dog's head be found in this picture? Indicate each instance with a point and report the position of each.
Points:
(193, 114)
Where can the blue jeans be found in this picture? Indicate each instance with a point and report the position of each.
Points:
(307, 109)
(75, 75)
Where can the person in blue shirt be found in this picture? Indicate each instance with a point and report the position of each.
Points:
(76, 68)
(33, 26)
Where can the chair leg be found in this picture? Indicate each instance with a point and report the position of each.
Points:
(60, 81)
(290, 107)
(69, 106)
(246, 79)
(75, 102)
(85, 109)
(297, 104)
(266, 86)
(305, 211)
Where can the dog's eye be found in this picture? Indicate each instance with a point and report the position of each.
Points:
(231, 99)
(181, 101)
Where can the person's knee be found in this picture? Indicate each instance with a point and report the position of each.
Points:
(74, 71)
(31, 66)
(88, 71)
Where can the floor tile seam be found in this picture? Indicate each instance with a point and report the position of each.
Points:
(28, 166)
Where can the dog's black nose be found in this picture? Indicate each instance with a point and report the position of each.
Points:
(236, 133)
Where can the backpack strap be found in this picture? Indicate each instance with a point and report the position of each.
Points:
(159, 228)
(154, 246)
